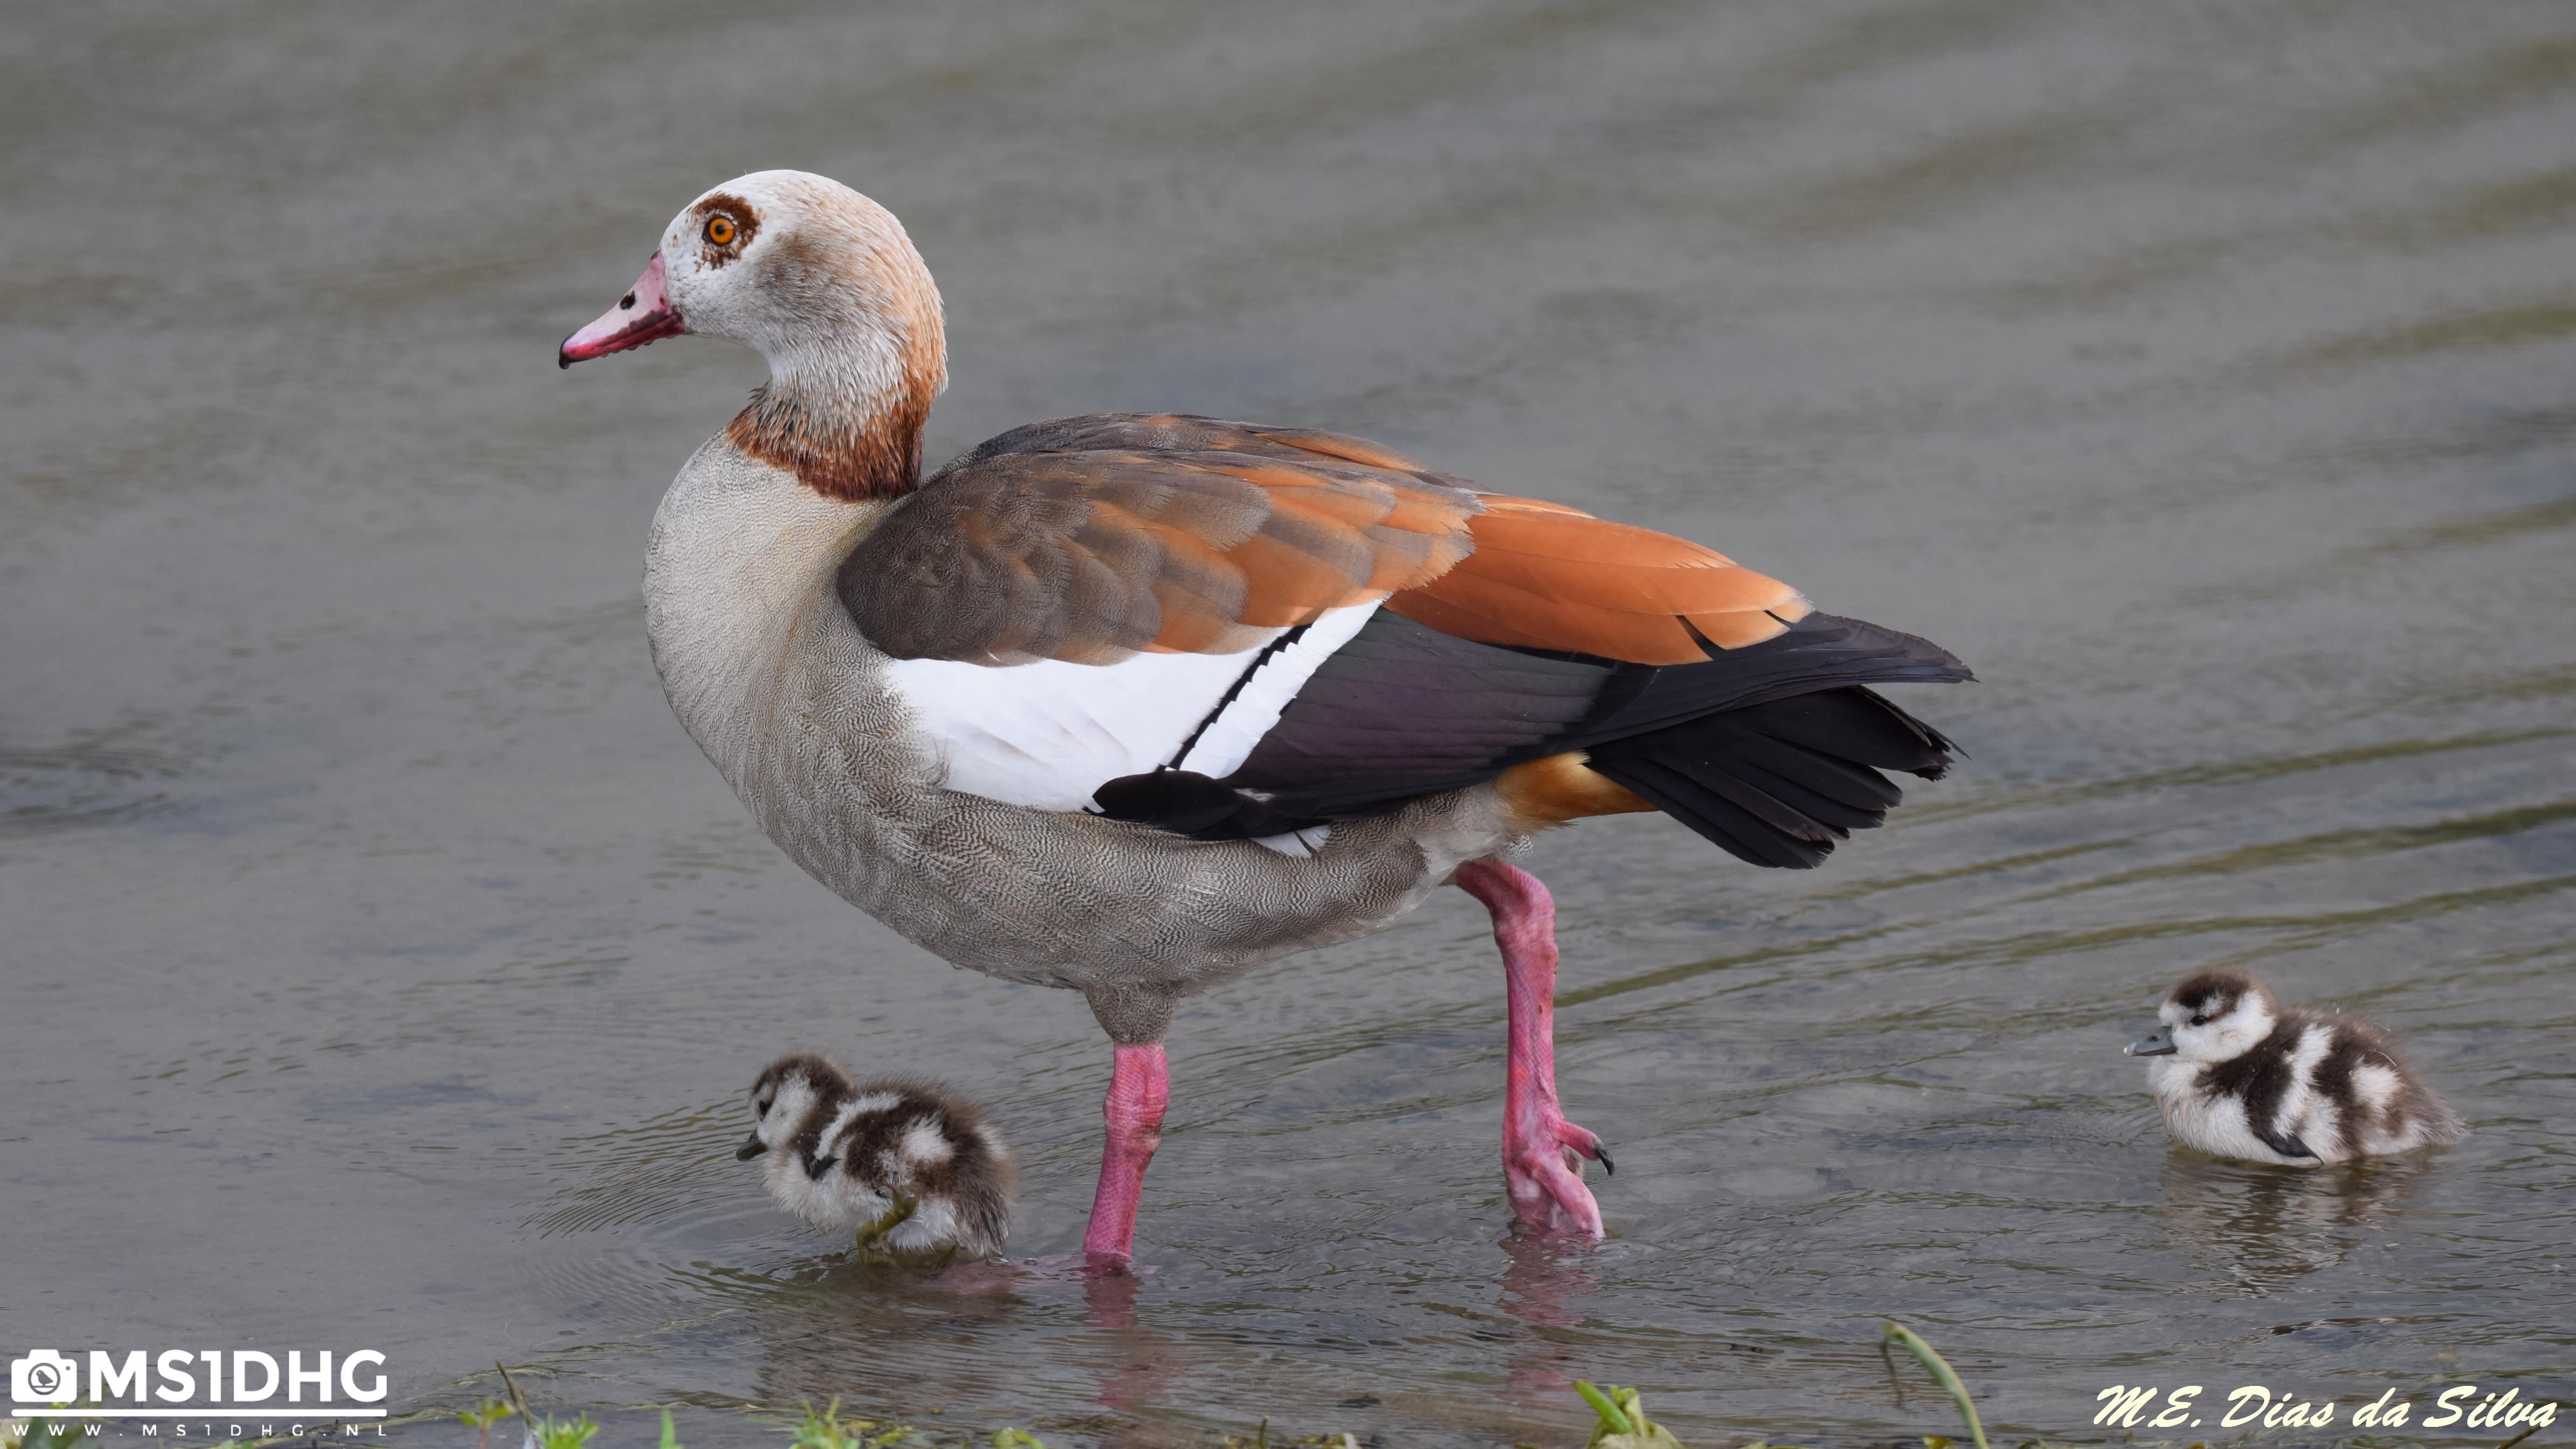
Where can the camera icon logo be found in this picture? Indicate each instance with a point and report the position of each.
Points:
(44, 1377)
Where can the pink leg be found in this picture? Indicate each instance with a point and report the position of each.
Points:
(1140, 1090)
(1542, 1152)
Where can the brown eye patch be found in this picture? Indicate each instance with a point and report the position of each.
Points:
(2212, 993)
(727, 225)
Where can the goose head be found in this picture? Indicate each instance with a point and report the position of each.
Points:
(821, 282)
(790, 1092)
(2215, 1016)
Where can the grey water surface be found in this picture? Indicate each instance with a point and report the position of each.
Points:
(383, 966)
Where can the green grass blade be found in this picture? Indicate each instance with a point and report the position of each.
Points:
(1939, 1368)
(1608, 1411)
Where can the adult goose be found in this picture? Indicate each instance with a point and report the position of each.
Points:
(1130, 704)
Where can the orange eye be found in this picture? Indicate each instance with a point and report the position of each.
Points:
(720, 230)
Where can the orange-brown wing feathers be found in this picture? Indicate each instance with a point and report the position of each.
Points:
(1544, 576)
(1093, 554)
(1090, 539)
(1340, 445)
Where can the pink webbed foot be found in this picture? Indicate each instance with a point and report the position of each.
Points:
(1542, 1152)
(1543, 1170)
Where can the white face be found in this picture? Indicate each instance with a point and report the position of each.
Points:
(2199, 1036)
(806, 272)
(782, 1108)
(713, 250)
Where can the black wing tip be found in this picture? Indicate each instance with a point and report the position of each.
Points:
(1882, 655)
(1184, 802)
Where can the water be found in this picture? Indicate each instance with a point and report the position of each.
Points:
(384, 964)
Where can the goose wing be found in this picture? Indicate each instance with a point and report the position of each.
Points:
(1227, 630)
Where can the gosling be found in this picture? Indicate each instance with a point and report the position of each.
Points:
(916, 1173)
(2252, 1080)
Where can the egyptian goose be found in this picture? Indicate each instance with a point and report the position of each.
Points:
(912, 1170)
(2241, 1076)
(1130, 704)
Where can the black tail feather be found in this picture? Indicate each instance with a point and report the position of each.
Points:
(1777, 798)
(1721, 821)
(1779, 783)
(1834, 785)
(1854, 724)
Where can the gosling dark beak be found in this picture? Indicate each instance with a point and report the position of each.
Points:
(2159, 1044)
(750, 1149)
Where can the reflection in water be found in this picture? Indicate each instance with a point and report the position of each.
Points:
(1544, 1278)
(1137, 1366)
(829, 1332)
(890, 1341)
(2261, 1228)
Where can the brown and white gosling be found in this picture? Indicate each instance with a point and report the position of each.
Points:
(2244, 1077)
(913, 1171)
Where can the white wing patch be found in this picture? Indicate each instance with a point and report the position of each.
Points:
(1228, 740)
(1046, 735)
